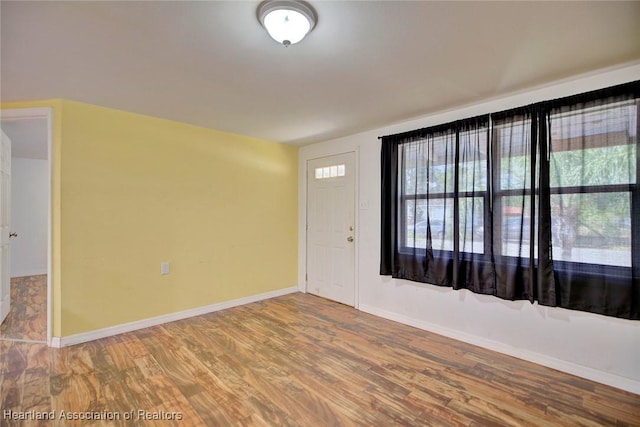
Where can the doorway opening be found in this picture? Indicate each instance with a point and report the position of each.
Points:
(29, 318)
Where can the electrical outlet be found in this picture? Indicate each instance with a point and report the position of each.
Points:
(164, 268)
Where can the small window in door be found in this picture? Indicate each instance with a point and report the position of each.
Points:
(330, 171)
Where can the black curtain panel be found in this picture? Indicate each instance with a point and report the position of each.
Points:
(539, 203)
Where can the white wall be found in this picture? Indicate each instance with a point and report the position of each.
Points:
(29, 198)
(600, 348)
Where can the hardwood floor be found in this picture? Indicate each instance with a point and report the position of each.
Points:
(296, 360)
(27, 319)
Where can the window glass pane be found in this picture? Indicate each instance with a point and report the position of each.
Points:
(592, 228)
(428, 165)
(512, 229)
(341, 170)
(471, 224)
(410, 161)
(441, 156)
(473, 160)
(514, 142)
(333, 171)
(438, 214)
(594, 146)
(318, 173)
(410, 214)
(593, 166)
(325, 172)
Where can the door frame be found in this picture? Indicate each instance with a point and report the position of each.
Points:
(41, 113)
(302, 216)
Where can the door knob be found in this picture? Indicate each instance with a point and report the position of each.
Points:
(350, 239)
(13, 235)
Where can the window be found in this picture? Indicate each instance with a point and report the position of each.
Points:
(592, 171)
(428, 193)
(539, 203)
(514, 224)
(440, 195)
(330, 171)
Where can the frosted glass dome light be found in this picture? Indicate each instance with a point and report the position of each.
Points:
(286, 21)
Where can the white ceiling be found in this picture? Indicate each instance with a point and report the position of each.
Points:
(367, 64)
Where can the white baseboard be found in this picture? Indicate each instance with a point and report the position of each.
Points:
(612, 380)
(166, 318)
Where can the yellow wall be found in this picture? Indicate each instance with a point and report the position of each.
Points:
(136, 191)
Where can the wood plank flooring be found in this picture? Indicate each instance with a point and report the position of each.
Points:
(297, 360)
(27, 319)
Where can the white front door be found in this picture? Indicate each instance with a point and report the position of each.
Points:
(331, 227)
(5, 209)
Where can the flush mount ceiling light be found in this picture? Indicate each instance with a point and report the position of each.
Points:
(287, 21)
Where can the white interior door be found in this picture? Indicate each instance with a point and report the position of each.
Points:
(5, 209)
(331, 227)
